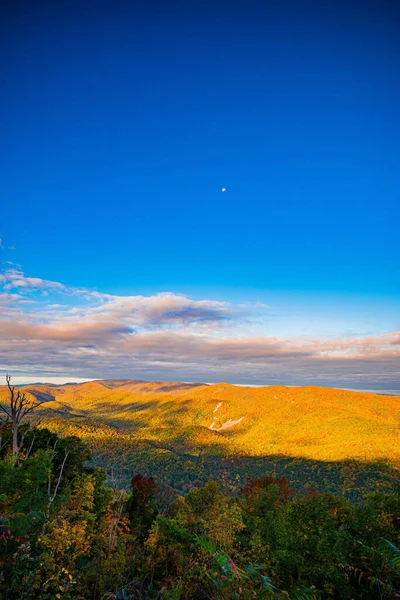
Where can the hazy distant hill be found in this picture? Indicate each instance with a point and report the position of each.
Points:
(184, 433)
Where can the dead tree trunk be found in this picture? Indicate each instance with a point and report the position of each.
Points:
(13, 414)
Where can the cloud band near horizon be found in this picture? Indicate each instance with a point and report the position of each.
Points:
(49, 329)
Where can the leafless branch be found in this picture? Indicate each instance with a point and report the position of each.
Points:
(117, 508)
(30, 448)
(8, 416)
(19, 407)
(59, 479)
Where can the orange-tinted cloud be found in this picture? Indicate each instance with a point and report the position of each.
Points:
(171, 336)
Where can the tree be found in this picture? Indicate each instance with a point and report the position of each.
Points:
(14, 414)
(141, 505)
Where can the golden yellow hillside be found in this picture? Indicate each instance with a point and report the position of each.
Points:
(312, 422)
(160, 426)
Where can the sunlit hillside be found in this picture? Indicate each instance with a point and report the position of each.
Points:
(186, 433)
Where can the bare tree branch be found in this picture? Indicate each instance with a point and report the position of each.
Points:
(51, 500)
(30, 447)
(19, 407)
(52, 497)
(5, 420)
(117, 507)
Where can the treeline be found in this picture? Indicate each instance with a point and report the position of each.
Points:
(65, 534)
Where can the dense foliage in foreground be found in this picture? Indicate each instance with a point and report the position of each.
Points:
(65, 534)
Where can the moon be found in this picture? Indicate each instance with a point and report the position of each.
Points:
(223, 190)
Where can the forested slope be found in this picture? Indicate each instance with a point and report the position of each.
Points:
(336, 440)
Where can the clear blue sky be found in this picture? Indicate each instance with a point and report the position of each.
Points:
(122, 121)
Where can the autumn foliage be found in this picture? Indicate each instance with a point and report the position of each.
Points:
(142, 489)
(72, 530)
(255, 486)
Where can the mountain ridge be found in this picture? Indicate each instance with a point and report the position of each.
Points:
(179, 432)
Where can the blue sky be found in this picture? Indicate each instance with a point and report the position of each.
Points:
(122, 122)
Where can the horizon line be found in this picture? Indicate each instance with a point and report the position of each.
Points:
(80, 381)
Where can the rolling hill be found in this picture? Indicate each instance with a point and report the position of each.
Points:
(184, 433)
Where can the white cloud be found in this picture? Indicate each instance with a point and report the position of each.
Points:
(14, 278)
(171, 336)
